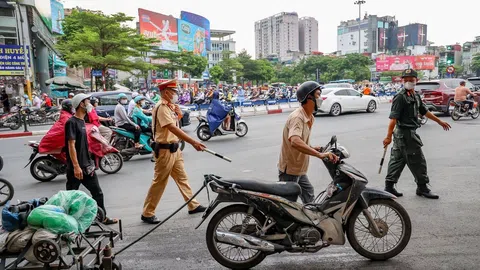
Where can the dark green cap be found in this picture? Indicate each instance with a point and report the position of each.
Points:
(409, 73)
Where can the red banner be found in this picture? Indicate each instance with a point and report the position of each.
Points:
(161, 27)
(400, 63)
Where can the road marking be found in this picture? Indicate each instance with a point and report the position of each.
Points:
(247, 171)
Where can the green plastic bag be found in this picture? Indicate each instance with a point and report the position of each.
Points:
(78, 205)
(53, 218)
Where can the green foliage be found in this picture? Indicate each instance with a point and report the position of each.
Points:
(476, 63)
(185, 61)
(459, 70)
(216, 73)
(230, 67)
(102, 42)
(391, 73)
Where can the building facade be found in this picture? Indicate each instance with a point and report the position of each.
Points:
(277, 35)
(222, 43)
(371, 32)
(308, 35)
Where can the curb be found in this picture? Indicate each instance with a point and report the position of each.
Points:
(23, 134)
(274, 111)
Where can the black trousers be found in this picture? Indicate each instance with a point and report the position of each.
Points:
(469, 103)
(131, 128)
(90, 182)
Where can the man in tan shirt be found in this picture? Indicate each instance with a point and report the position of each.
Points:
(168, 156)
(296, 149)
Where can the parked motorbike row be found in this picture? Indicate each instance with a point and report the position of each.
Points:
(14, 118)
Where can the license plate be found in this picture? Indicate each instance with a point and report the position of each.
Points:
(451, 108)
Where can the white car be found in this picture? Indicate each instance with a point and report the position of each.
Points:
(340, 100)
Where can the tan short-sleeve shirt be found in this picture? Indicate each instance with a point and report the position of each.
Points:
(166, 116)
(292, 161)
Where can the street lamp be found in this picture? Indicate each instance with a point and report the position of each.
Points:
(18, 15)
(359, 3)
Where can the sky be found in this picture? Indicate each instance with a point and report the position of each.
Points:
(448, 22)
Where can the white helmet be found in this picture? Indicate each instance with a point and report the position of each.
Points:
(135, 94)
(76, 100)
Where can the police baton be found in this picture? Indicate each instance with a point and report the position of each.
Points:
(217, 155)
(382, 160)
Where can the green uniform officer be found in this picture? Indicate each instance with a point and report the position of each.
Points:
(407, 145)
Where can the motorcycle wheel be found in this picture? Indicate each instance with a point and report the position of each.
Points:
(111, 163)
(476, 114)
(40, 175)
(455, 114)
(242, 130)
(18, 123)
(203, 133)
(6, 191)
(121, 145)
(357, 226)
(247, 258)
(1, 163)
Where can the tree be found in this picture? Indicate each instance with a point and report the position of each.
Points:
(391, 73)
(103, 42)
(185, 61)
(216, 73)
(230, 68)
(459, 70)
(475, 63)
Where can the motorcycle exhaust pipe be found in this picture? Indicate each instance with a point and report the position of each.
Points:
(129, 151)
(247, 241)
(47, 168)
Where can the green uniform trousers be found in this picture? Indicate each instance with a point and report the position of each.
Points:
(407, 151)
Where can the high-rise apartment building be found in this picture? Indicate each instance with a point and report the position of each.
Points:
(277, 36)
(308, 35)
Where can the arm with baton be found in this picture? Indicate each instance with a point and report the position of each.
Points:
(382, 160)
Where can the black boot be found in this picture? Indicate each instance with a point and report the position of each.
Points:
(390, 188)
(424, 191)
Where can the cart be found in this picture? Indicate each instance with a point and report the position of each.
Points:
(91, 250)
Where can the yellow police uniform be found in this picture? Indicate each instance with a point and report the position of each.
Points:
(166, 163)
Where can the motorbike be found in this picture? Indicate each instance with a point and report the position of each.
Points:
(461, 110)
(48, 166)
(123, 140)
(264, 218)
(240, 128)
(12, 119)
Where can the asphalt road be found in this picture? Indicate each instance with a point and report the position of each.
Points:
(445, 234)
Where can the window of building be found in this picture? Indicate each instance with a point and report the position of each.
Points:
(6, 12)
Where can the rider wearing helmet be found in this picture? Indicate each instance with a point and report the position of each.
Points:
(47, 101)
(131, 104)
(155, 96)
(144, 121)
(94, 118)
(71, 95)
(296, 149)
(123, 121)
(67, 106)
(28, 102)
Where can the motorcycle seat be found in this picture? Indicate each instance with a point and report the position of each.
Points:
(283, 189)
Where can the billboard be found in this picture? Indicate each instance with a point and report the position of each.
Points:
(57, 17)
(382, 39)
(400, 63)
(199, 21)
(12, 60)
(161, 27)
(191, 38)
(45, 10)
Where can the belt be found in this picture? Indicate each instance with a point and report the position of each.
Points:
(166, 145)
(173, 147)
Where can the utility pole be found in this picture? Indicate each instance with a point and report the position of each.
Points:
(360, 3)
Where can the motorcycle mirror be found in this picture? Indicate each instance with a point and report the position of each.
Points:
(333, 140)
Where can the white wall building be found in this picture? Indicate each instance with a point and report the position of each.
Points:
(221, 42)
(308, 35)
(277, 35)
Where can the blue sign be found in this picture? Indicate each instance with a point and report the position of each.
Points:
(205, 75)
(58, 16)
(97, 73)
(12, 60)
(199, 21)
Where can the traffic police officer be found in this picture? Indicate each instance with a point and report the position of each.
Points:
(406, 106)
(169, 159)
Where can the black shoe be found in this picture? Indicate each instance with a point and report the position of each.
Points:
(390, 188)
(199, 209)
(424, 191)
(151, 220)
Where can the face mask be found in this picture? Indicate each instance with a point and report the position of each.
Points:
(142, 103)
(89, 108)
(123, 102)
(410, 85)
(175, 99)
